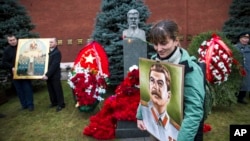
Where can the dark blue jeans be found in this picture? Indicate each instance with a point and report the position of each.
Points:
(24, 92)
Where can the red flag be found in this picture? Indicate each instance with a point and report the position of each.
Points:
(93, 56)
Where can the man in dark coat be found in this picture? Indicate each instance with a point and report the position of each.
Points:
(23, 86)
(53, 77)
(244, 48)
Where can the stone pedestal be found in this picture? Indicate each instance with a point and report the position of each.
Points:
(133, 49)
(128, 129)
(64, 74)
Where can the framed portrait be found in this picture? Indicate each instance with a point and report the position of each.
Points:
(31, 58)
(161, 94)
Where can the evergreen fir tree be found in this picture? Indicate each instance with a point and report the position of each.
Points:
(239, 19)
(110, 23)
(13, 20)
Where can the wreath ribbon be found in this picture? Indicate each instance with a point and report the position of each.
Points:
(208, 57)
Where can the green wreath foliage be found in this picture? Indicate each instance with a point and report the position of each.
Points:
(225, 93)
(88, 108)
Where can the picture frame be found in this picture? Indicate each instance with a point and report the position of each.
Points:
(31, 58)
(174, 108)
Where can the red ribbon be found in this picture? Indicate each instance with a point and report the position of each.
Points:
(222, 44)
(208, 57)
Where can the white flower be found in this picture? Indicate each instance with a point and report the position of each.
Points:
(204, 43)
(216, 46)
(90, 87)
(225, 79)
(215, 59)
(101, 90)
(99, 98)
(199, 50)
(86, 71)
(211, 67)
(214, 72)
(70, 75)
(71, 84)
(220, 51)
(225, 56)
(77, 104)
(217, 82)
(221, 65)
(133, 67)
(218, 77)
(224, 70)
(104, 75)
(208, 43)
(203, 53)
(78, 68)
(88, 90)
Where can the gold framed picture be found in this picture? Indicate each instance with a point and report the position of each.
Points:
(31, 58)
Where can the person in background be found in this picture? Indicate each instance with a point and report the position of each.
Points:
(23, 86)
(164, 37)
(244, 48)
(53, 77)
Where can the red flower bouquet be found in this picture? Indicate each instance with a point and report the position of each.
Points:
(128, 96)
(121, 106)
(88, 78)
(88, 86)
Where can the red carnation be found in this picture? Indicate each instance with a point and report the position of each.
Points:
(243, 71)
(206, 128)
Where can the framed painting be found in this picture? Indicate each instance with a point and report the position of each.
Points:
(161, 94)
(31, 58)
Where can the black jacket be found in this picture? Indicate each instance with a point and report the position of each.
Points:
(9, 57)
(54, 70)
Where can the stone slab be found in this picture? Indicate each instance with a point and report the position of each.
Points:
(128, 129)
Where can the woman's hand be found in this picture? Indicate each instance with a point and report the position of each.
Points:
(141, 125)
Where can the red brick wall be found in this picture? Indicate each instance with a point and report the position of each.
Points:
(66, 19)
(192, 16)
